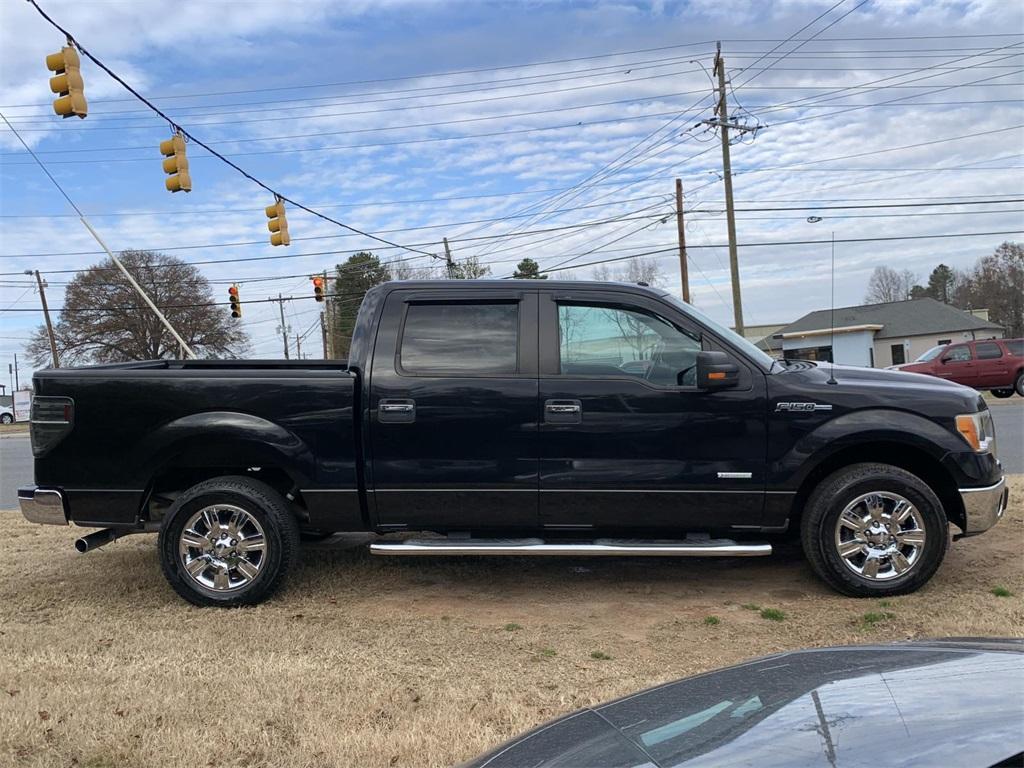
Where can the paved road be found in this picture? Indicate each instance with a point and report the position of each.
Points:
(16, 454)
(15, 468)
(1009, 419)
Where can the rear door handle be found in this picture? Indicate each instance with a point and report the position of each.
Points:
(563, 411)
(392, 411)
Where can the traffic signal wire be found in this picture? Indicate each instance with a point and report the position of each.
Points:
(209, 149)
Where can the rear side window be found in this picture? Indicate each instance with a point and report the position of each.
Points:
(987, 350)
(464, 339)
(1015, 347)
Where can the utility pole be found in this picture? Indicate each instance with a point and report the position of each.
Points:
(448, 260)
(328, 321)
(684, 274)
(722, 123)
(323, 332)
(46, 315)
(298, 347)
(16, 382)
(284, 327)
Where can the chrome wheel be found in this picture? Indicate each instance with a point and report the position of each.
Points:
(880, 535)
(222, 547)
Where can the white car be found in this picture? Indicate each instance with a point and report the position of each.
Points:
(6, 415)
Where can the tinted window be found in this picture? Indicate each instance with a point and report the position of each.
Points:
(1015, 347)
(958, 353)
(987, 351)
(611, 341)
(460, 339)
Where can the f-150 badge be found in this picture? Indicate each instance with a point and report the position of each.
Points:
(801, 407)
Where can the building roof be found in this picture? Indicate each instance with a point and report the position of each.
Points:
(899, 319)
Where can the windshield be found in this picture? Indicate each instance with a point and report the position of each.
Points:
(746, 346)
(931, 354)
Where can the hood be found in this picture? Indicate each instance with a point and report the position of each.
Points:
(832, 706)
(865, 387)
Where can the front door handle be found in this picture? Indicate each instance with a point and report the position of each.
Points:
(396, 411)
(563, 411)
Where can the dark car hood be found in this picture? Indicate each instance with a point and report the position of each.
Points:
(861, 387)
(941, 703)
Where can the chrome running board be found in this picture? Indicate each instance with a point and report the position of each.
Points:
(598, 547)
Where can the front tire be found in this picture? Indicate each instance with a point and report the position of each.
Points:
(227, 542)
(6, 418)
(871, 530)
(1019, 386)
(1002, 393)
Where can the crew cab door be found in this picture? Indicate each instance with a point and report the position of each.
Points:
(627, 439)
(957, 364)
(991, 366)
(453, 410)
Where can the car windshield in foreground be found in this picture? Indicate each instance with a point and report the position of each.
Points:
(931, 354)
(748, 347)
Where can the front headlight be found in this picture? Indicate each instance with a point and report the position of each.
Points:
(978, 430)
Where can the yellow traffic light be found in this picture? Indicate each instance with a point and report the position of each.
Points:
(68, 83)
(278, 224)
(176, 164)
(235, 302)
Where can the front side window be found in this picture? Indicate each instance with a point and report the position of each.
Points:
(931, 354)
(465, 339)
(988, 351)
(614, 341)
(958, 354)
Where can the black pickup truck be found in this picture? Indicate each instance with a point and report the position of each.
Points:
(516, 418)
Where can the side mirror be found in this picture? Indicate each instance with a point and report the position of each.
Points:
(716, 371)
(944, 360)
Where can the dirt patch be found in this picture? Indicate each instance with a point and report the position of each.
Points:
(410, 662)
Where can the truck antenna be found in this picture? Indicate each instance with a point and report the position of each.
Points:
(832, 320)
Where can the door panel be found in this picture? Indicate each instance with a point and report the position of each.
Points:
(991, 365)
(645, 453)
(453, 419)
(957, 364)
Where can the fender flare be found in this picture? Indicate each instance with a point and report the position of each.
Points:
(254, 440)
(888, 426)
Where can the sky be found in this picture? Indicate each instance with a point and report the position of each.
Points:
(541, 129)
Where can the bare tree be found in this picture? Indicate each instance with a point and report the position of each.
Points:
(403, 270)
(997, 283)
(887, 284)
(470, 268)
(639, 270)
(103, 319)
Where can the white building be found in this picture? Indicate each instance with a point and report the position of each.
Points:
(879, 335)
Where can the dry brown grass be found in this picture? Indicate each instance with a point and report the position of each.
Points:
(375, 662)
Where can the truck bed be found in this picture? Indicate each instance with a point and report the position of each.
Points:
(133, 422)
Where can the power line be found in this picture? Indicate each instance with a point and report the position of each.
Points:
(661, 250)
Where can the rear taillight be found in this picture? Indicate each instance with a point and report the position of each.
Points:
(51, 421)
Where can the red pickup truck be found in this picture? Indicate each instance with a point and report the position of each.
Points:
(993, 364)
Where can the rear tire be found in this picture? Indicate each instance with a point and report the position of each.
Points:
(227, 542)
(871, 530)
(6, 418)
(1002, 393)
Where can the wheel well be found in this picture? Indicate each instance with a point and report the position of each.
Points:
(173, 480)
(913, 460)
